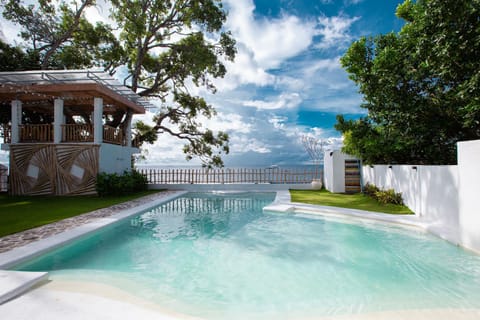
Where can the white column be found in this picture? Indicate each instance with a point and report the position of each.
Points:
(468, 191)
(16, 120)
(58, 120)
(128, 132)
(97, 120)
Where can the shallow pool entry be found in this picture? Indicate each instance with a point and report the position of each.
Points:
(218, 256)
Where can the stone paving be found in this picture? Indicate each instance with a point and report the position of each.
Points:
(22, 238)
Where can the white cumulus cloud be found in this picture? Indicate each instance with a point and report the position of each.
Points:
(284, 101)
(262, 43)
(334, 31)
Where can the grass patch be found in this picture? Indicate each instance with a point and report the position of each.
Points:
(19, 213)
(351, 201)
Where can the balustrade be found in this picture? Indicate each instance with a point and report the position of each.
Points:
(230, 176)
(77, 133)
(36, 133)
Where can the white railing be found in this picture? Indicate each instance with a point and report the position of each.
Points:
(229, 176)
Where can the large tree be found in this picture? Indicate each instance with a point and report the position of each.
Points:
(59, 36)
(421, 86)
(166, 46)
(172, 45)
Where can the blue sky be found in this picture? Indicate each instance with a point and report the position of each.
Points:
(286, 80)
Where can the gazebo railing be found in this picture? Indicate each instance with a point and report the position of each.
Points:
(112, 135)
(6, 133)
(36, 133)
(71, 133)
(77, 133)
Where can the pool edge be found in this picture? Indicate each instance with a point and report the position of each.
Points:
(283, 204)
(31, 250)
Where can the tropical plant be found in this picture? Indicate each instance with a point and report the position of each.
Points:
(113, 184)
(421, 86)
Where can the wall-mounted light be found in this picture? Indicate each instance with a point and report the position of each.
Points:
(414, 167)
(389, 167)
(371, 166)
(331, 153)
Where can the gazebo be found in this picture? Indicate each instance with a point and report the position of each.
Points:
(64, 127)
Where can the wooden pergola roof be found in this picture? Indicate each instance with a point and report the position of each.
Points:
(76, 87)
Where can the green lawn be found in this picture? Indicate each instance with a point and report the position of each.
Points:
(351, 201)
(22, 213)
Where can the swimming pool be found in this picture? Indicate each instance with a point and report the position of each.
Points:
(219, 256)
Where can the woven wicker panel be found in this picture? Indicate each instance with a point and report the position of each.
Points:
(47, 169)
(23, 157)
(84, 158)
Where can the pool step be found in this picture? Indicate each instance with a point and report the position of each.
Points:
(285, 208)
(15, 283)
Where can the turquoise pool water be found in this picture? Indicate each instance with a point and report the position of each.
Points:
(221, 257)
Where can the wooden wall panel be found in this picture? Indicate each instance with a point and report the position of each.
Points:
(53, 169)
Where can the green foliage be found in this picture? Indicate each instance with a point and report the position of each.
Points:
(421, 86)
(58, 36)
(112, 184)
(370, 190)
(383, 196)
(144, 132)
(389, 196)
(15, 59)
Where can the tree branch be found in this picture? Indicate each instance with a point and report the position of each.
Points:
(68, 34)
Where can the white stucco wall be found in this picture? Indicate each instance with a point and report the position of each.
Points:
(469, 193)
(429, 191)
(328, 170)
(334, 170)
(114, 158)
(445, 196)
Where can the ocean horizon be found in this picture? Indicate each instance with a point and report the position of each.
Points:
(286, 166)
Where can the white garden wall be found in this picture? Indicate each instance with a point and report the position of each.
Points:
(429, 191)
(469, 193)
(446, 196)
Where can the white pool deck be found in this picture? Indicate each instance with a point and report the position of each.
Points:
(30, 295)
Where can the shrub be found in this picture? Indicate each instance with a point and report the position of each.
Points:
(383, 196)
(113, 184)
(389, 196)
(370, 190)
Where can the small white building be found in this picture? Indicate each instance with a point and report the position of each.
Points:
(341, 172)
